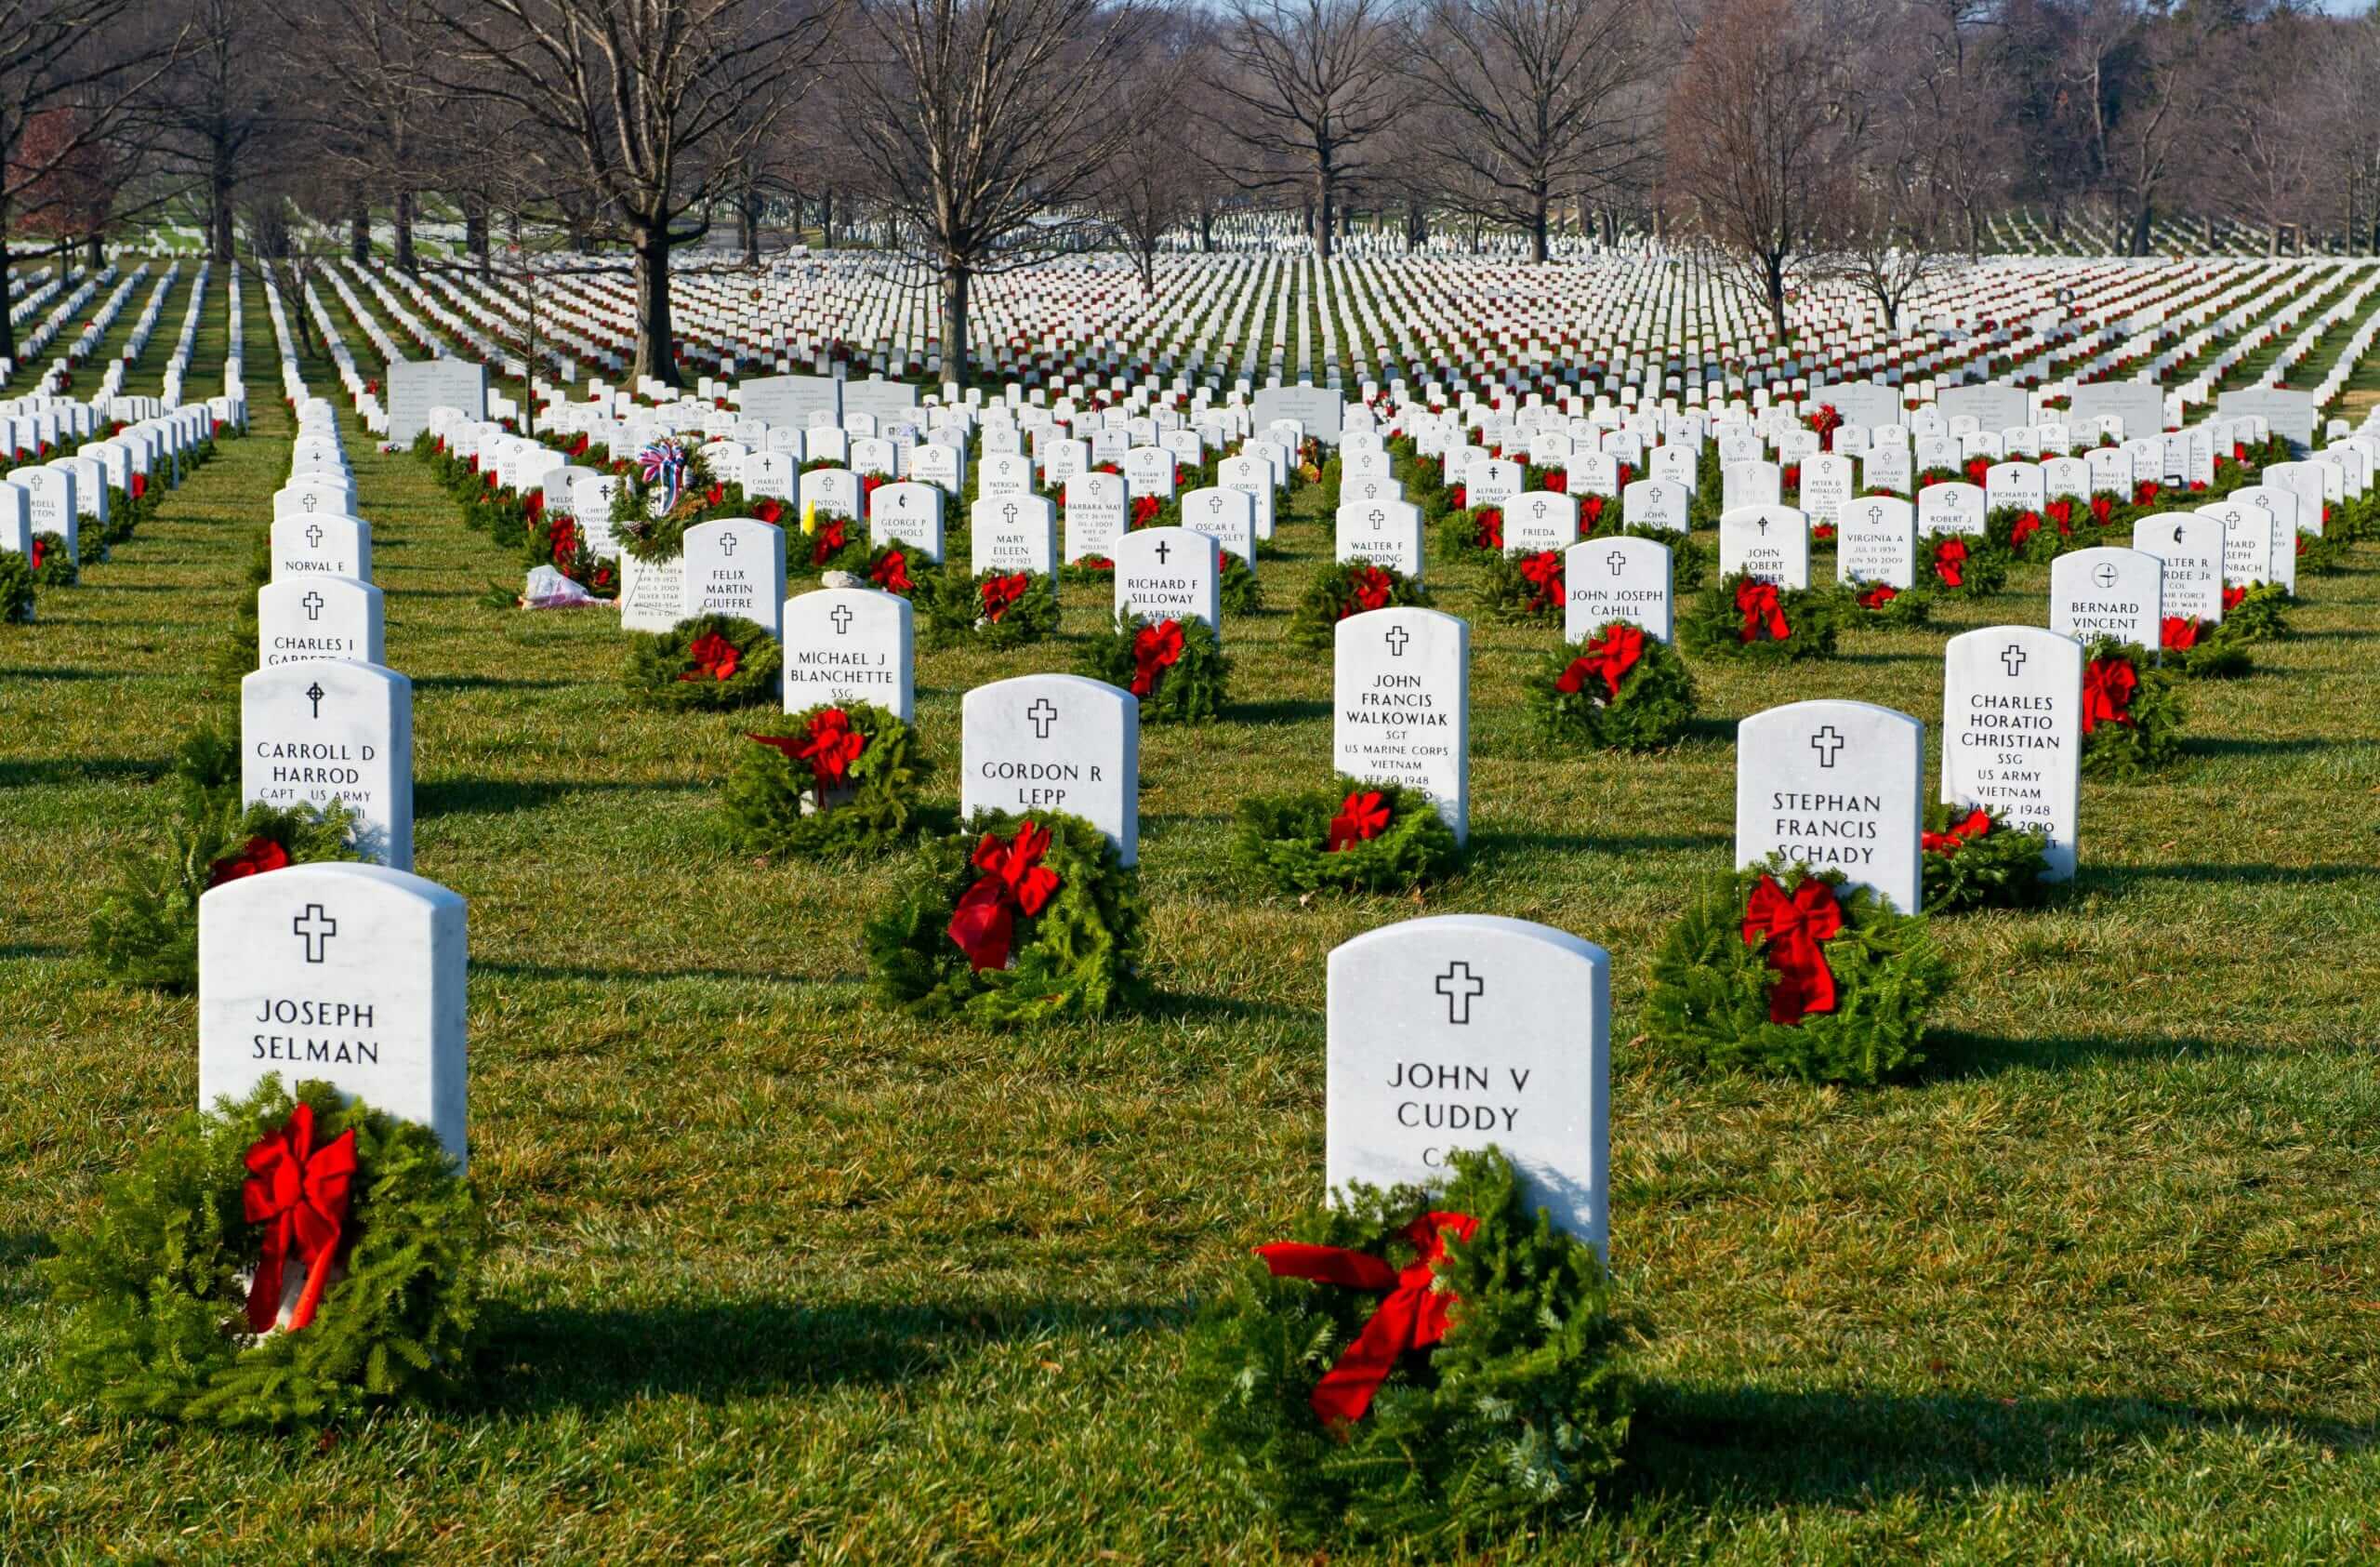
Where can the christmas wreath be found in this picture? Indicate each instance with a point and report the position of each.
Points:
(2256, 612)
(1416, 1366)
(277, 1260)
(16, 588)
(992, 608)
(1780, 969)
(711, 662)
(823, 544)
(1974, 859)
(1523, 588)
(1962, 566)
(52, 567)
(1619, 689)
(2131, 712)
(2199, 651)
(555, 539)
(1742, 618)
(1882, 605)
(1088, 568)
(840, 778)
(2022, 533)
(1176, 668)
(1472, 530)
(1237, 587)
(145, 929)
(2321, 555)
(1349, 588)
(666, 491)
(1355, 836)
(1013, 920)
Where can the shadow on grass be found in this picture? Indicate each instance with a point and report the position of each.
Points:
(451, 797)
(1493, 851)
(71, 771)
(607, 972)
(61, 674)
(20, 1282)
(1287, 711)
(1954, 1054)
(2116, 879)
(596, 1359)
(1818, 1449)
(2236, 745)
(491, 682)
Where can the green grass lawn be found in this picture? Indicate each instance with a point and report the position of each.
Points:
(781, 1275)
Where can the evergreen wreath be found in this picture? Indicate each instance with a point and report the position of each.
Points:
(1237, 587)
(701, 498)
(2258, 612)
(52, 567)
(1618, 687)
(1014, 918)
(2132, 715)
(1176, 668)
(2322, 554)
(1470, 531)
(992, 608)
(1100, 569)
(2195, 650)
(710, 663)
(1348, 587)
(1523, 588)
(1355, 836)
(1775, 968)
(1961, 566)
(1741, 618)
(841, 777)
(145, 929)
(554, 539)
(829, 541)
(2025, 533)
(1974, 859)
(1882, 605)
(1486, 1389)
(156, 1285)
(16, 588)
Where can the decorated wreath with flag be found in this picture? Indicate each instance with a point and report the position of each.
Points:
(1434, 1367)
(836, 777)
(1014, 918)
(1618, 687)
(667, 488)
(994, 608)
(1742, 617)
(277, 1260)
(1781, 970)
(1354, 836)
(1175, 667)
(145, 929)
(1348, 587)
(710, 663)
(1974, 859)
(2132, 715)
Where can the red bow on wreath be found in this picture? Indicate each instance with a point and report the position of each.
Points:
(2107, 685)
(1413, 1317)
(1154, 648)
(2103, 509)
(1145, 510)
(830, 744)
(1363, 816)
(770, 512)
(1794, 927)
(831, 536)
(1590, 513)
(1370, 587)
(2178, 633)
(258, 855)
(891, 572)
(713, 656)
(1976, 825)
(298, 1192)
(2026, 526)
(41, 548)
(1950, 561)
(1611, 656)
(1015, 882)
(1001, 594)
(1878, 596)
(1489, 522)
(1763, 619)
(1542, 572)
(2234, 597)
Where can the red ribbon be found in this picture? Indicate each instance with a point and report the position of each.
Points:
(1015, 882)
(2026, 526)
(1154, 648)
(1001, 594)
(2178, 633)
(1372, 586)
(2107, 685)
(1413, 1317)
(1145, 510)
(1542, 572)
(891, 572)
(1609, 655)
(2062, 513)
(1794, 927)
(2103, 509)
(1590, 512)
(258, 855)
(2234, 597)
(1878, 596)
(829, 743)
(299, 1193)
(771, 512)
(1976, 825)
(713, 656)
(1489, 522)
(829, 537)
(1763, 619)
(1949, 559)
(1362, 816)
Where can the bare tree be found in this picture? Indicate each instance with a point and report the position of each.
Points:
(649, 105)
(83, 57)
(1153, 183)
(2169, 78)
(1757, 116)
(361, 55)
(1306, 87)
(1542, 97)
(2265, 128)
(982, 123)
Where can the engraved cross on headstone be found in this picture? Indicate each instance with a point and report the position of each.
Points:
(314, 927)
(1041, 715)
(1398, 637)
(727, 546)
(1828, 744)
(313, 536)
(1618, 561)
(2012, 658)
(842, 616)
(1164, 548)
(1461, 988)
(315, 694)
(314, 605)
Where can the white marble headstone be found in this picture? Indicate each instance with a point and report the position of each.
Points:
(330, 729)
(303, 618)
(1835, 785)
(850, 645)
(2011, 732)
(1054, 742)
(1401, 705)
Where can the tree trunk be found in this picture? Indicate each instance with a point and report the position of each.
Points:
(402, 220)
(1417, 224)
(1206, 232)
(955, 283)
(359, 235)
(1610, 229)
(1776, 268)
(475, 236)
(748, 220)
(1322, 217)
(827, 220)
(655, 352)
(219, 212)
(1537, 248)
(8, 326)
(2140, 228)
